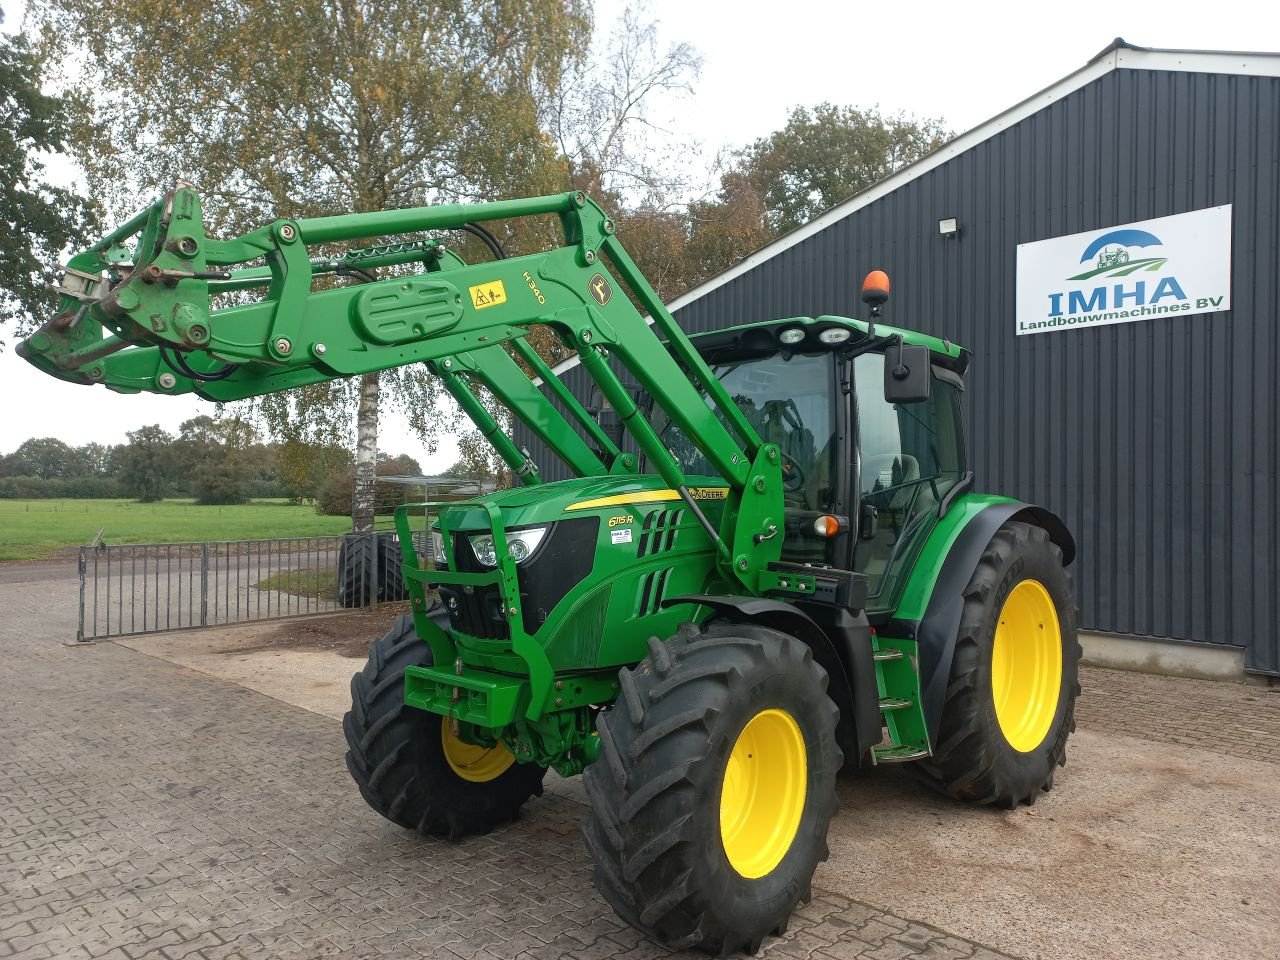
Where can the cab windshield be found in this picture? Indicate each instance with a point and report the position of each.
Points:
(789, 402)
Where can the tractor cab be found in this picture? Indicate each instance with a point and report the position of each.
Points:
(864, 470)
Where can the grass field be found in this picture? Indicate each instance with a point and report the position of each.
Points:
(320, 584)
(38, 529)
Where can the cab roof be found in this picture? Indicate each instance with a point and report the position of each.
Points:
(763, 338)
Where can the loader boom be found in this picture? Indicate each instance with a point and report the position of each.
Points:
(137, 315)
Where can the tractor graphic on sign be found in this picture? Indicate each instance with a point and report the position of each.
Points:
(1112, 257)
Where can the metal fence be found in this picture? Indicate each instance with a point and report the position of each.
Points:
(147, 588)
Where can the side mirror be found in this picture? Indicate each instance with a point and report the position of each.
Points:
(907, 376)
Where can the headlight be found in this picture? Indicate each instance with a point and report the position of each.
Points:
(437, 548)
(792, 335)
(520, 545)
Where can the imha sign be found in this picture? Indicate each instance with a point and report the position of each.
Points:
(1171, 265)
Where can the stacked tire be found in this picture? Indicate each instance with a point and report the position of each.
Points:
(365, 559)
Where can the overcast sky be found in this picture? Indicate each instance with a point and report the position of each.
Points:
(961, 62)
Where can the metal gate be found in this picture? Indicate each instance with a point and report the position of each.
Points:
(151, 587)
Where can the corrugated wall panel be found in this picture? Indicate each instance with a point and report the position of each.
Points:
(1157, 441)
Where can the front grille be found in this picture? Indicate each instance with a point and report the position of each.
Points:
(564, 559)
(475, 611)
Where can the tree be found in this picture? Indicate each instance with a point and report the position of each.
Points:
(335, 494)
(308, 107)
(301, 468)
(478, 461)
(726, 228)
(146, 463)
(37, 220)
(92, 460)
(401, 465)
(601, 119)
(623, 156)
(46, 457)
(823, 155)
(218, 464)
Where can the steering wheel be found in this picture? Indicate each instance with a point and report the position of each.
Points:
(793, 475)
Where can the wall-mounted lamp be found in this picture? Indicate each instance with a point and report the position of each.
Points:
(949, 227)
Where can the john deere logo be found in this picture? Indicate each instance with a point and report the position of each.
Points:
(1115, 260)
(601, 292)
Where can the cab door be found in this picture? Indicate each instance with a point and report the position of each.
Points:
(907, 456)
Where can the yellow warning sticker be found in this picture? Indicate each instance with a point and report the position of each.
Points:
(488, 294)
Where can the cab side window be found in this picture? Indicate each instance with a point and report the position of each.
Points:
(910, 456)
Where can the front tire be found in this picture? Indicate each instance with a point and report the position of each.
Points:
(409, 765)
(714, 787)
(1010, 702)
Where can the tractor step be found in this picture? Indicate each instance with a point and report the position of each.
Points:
(898, 686)
(895, 703)
(899, 754)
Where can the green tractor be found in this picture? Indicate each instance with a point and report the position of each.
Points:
(770, 562)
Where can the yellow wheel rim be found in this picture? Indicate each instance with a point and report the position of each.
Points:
(762, 798)
(472, 762)
(1026, 666)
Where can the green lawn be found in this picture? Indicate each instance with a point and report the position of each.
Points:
(320, 584)
(36, 529)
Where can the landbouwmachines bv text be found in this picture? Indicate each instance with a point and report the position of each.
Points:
(776, 567)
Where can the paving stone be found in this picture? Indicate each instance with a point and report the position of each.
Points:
(936, 951)
(150, 811)
(1141, 705)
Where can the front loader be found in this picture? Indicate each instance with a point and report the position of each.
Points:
(769, 563)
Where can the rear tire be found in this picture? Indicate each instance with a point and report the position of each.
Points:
(406, 762)
(1010, 702)
(714, 787)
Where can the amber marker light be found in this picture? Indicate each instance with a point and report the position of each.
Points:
(828, 525)
(875, 289)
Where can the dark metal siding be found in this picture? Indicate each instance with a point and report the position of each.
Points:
(1157, 441)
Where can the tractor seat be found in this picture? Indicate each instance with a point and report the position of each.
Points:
(886, 471)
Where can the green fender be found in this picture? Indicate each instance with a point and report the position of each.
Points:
(933, 598)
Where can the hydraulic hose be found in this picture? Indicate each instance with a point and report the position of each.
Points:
(178, 364)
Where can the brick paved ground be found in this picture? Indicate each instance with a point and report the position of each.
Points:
(149, 811)
(1240, 721)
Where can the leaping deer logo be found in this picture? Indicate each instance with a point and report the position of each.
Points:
(601, 292)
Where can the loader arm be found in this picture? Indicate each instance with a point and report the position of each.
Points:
(136, 315)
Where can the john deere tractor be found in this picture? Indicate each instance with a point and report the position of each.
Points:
(771, 561)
